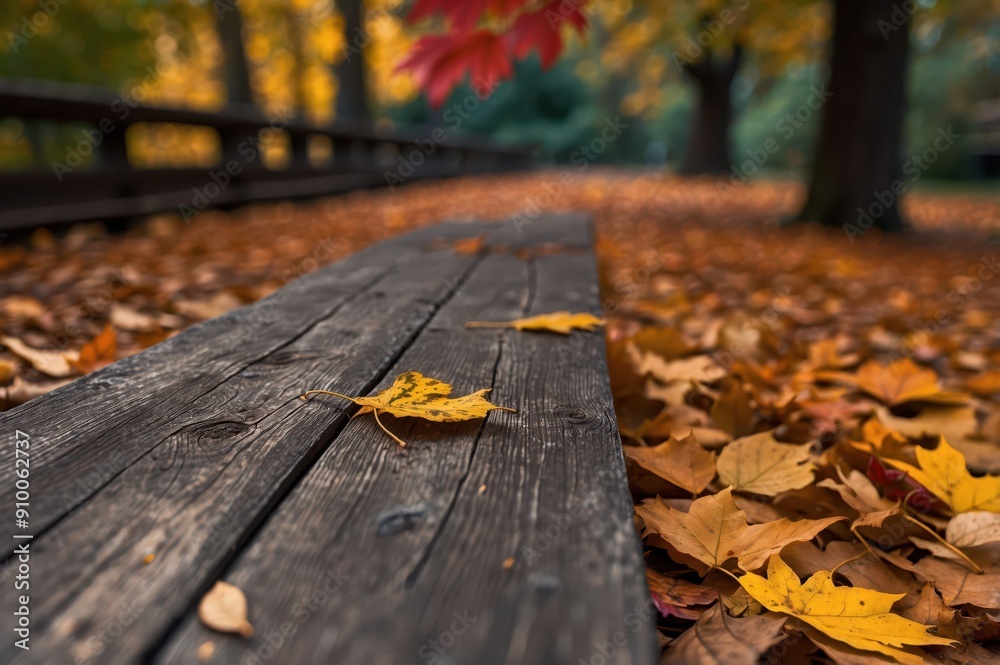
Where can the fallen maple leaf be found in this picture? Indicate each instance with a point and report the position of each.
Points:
(224, 608)
(760, 465)
(903, 381)
(415, 395)
(858, 617)
(558, 322)
(96, 353)
(681, 462)
(715, 530)
(943, 472)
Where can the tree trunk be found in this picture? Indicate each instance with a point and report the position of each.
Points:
(352, 92)
(237, 75)
(708, 149)
(856, 176)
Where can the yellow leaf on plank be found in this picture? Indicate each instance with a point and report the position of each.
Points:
(681, 462)
(943, 471)
(224, 608)
(861, 618)
(760, 465)
(973, 529)
(415, 395)
(558, 322)
(903, 381)
(715, 530)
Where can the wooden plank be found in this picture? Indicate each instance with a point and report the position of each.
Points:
(383, 555)
(86, 433)
(213, 467)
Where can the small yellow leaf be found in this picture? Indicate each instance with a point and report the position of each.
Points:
(415, 395)
(944, 473)
(858, 617)
(760, 465)
(224, 608)
(558, 322)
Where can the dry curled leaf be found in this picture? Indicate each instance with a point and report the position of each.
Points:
(861, 618)
(224, 608)
(760, 465)
(973, 529)
(558, 322)
(715, 530)
(415, 395)
(52, 363)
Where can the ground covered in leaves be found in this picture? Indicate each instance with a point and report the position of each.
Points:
(810, 424)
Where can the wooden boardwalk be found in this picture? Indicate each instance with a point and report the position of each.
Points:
(349, 548)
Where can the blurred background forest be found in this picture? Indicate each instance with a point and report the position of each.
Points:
(301, 54)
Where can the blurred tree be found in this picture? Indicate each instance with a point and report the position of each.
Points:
(859, 174)
(229, 25)
(352, 89)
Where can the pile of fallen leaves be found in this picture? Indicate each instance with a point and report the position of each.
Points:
(810, 423)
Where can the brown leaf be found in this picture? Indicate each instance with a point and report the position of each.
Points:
(683, 463)
(52, 363)
(715, 530)
(736, 640)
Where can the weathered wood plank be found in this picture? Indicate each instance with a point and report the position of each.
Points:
(208, 473)
(382, 555)
(86, 433)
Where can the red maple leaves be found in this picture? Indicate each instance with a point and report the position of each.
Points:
(440, 62)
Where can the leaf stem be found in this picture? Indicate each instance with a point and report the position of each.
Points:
(305, 395)
(975, 567)
(488, 324)
(395, 438)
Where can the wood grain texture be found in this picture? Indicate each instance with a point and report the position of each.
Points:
(86, 433)
(208, 474)
(383, 555)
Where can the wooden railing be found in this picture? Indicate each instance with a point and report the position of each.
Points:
(110, 187)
